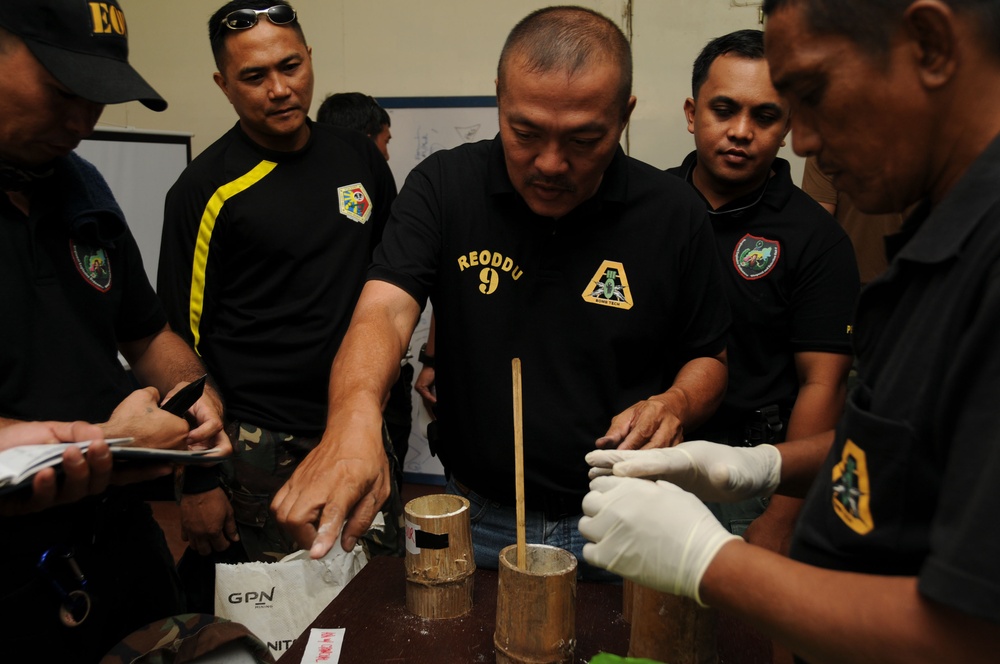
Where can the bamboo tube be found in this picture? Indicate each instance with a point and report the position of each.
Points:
(439, 559)
(536, 607)
(668, 628)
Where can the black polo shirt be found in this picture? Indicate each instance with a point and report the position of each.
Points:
(602, 306)
(910, 487)
(792, 282)
(74, 287)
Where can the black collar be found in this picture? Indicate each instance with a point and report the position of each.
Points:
(933, 235)
(774, 192)
(277, 156)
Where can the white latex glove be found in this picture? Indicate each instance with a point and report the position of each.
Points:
(653, 533)
(713, 472)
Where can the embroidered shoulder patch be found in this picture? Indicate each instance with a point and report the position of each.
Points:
(92, 264)
(755, 256)
(609, 287)
(354, 202)
(851, 490)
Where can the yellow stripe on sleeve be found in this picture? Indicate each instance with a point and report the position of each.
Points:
(205, 230)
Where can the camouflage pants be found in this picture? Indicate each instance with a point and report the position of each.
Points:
(262, 462)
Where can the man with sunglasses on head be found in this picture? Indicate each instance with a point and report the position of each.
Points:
(267, 235)
(76, 578)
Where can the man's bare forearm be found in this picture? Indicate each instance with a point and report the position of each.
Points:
(367, 363)
(697, 390)
(340, 485)
(828, 616)
(801, 461)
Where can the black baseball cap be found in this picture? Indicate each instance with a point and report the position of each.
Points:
(84, 45)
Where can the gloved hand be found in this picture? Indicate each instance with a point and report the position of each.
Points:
(713, 472)
(653, 533)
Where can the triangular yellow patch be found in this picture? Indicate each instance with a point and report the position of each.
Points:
(609, 287)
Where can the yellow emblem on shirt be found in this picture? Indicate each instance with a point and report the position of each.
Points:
(852, 491)
(609, 287)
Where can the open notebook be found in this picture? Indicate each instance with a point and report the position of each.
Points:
(19, 464)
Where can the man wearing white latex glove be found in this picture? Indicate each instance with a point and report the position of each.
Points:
(890, 560)
(668, 548)
(790, 275)
(713, 472)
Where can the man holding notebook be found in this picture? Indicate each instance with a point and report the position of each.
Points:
(79, 577)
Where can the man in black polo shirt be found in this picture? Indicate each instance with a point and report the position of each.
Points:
(77, 578)
(546, 244)
(894, 555)
(788, 268)
(266, 238)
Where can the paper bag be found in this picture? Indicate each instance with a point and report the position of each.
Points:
(277, 601)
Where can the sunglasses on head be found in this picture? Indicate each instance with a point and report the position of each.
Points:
(242, 19)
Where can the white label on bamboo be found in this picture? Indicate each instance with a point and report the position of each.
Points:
(411, 536)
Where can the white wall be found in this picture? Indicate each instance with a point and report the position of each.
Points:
(423, 47)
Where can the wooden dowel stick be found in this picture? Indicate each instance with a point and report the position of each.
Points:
(522, 546)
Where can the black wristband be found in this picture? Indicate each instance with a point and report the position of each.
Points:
(198, 479)
(424, 358)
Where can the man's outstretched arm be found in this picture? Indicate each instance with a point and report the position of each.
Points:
(344, 481)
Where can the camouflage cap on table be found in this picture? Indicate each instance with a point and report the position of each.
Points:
(184, 638)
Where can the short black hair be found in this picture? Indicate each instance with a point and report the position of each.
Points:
(748, 44)
(383, 117)
(354, 110)
(871, 23)
(217, 34)
(566, 38)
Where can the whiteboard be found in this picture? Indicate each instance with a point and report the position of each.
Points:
(140, 167)
(423, 125)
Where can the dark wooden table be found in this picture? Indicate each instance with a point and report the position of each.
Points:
(379, 628)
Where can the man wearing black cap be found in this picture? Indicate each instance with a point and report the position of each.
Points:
(81, 576)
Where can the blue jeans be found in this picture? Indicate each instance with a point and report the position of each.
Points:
(494, 527)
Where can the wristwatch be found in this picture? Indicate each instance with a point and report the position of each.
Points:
(424, 358)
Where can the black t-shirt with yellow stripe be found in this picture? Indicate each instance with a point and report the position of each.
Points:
(262, 259)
